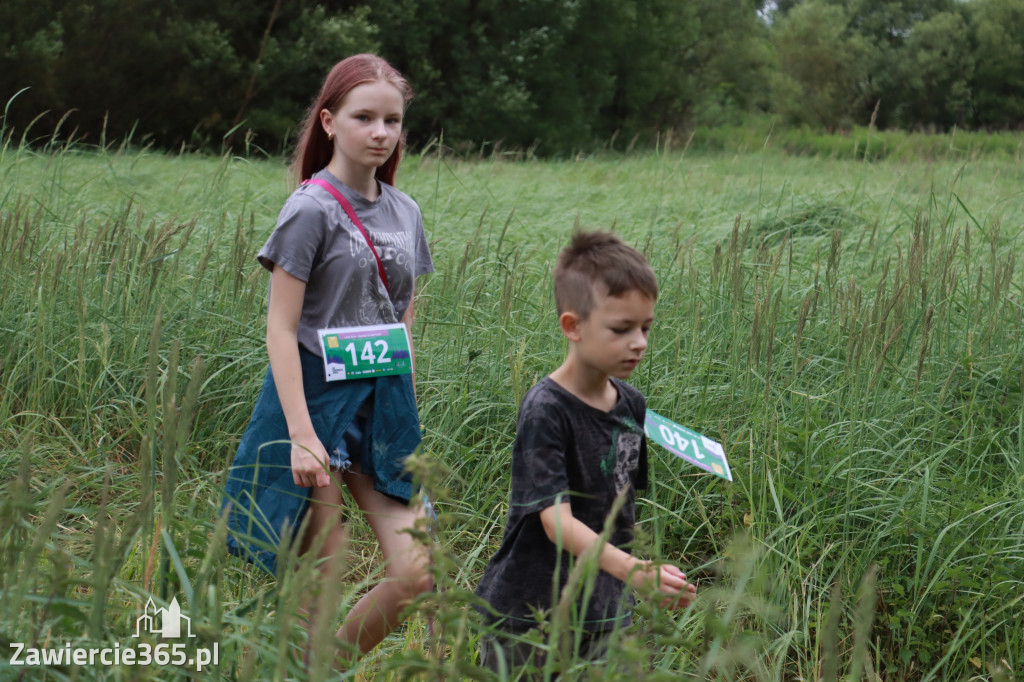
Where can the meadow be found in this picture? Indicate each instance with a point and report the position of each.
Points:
(850, 328)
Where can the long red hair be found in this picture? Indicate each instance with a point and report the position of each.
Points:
(314, 149)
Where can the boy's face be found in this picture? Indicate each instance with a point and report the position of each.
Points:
(613, 338)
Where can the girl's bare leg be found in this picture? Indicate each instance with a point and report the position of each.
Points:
(324, 517)
(325, 511)
(406, 565)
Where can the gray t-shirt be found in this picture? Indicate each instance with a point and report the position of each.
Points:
(316, 242)
(566, 451)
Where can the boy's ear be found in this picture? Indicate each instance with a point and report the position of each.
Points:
(569, 322)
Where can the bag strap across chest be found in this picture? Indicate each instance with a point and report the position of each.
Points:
(355, 221)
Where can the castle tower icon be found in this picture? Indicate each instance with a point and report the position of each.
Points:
(163, 622)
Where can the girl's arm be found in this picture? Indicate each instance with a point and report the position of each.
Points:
(407, 320)
(568, 532)
(309, 457)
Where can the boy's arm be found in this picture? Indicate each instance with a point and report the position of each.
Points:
(568, 532)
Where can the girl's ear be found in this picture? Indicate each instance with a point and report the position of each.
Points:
(569, 322)
(327, 121)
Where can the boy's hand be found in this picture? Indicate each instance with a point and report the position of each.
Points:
(668, 580)
(568, 532)
(685, 596)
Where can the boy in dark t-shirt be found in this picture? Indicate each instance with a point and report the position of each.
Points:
(579, 446)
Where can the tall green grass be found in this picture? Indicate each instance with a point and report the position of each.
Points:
(850, 330)
(858, 143)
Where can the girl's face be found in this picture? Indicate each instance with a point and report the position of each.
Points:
(366, 127)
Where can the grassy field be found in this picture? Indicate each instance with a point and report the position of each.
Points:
(851, 331)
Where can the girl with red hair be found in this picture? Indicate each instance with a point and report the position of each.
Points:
(346, 252)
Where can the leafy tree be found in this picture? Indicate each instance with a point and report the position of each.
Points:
(178, 72)
(452, 55)
(558, 75)
(732, 60)
(495, 71)
(882, 28)
(31, 40)
(936, 68)
(570, 72)
(820, 66)
(655, 88)
(890, 21)
(886, 26)
(999, 62)
(300, 50)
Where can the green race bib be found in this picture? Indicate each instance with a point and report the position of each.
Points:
(365, 352)
(687, 444)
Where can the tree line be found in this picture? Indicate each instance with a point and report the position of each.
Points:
(550, 75)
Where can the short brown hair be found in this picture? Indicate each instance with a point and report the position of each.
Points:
(593, 257)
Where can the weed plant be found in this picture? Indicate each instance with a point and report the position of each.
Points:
(851, 331)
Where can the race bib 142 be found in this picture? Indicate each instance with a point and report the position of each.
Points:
(365, 352)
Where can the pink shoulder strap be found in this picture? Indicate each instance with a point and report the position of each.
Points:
(355, 220)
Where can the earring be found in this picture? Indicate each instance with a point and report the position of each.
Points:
(330, 136)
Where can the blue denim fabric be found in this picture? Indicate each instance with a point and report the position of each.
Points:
(264, 505)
